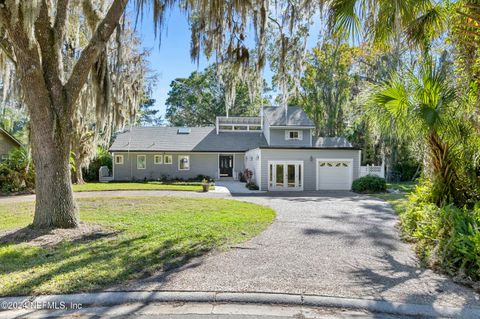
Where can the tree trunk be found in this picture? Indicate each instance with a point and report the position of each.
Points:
(55, 206)
(78, 177)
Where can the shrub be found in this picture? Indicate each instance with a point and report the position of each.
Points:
(446, 238)
(103, 158)
(252, 186)
(369, 184)
(17, 173)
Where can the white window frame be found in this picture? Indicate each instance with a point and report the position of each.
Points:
(165, 159)
(299, 138)
(121, 159)
(179, 160)
(157, 156)
(145, 157)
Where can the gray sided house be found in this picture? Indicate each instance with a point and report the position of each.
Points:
(278, 147)
(7, 144)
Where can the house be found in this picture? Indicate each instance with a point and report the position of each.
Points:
(278, 147)
(7, 144)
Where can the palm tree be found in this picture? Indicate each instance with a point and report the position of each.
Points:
(383, 20)
(422, 106)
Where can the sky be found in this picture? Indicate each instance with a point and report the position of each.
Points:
(172, 59)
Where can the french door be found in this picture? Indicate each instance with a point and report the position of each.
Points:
(285, 175)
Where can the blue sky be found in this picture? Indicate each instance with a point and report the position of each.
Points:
(172, 59)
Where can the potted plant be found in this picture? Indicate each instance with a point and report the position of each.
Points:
(205, 185)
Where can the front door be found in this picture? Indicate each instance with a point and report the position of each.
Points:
(226, 165)
(285, 175)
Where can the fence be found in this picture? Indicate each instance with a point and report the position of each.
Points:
(372, 170)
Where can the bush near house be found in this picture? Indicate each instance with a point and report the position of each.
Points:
(17, 173)
(446, 238)
(369, 184)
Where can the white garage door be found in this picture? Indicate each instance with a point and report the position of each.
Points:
(334, 174)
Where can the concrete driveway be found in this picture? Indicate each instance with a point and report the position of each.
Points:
(331, 243)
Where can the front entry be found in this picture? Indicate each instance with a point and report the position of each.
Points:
(225, 163)
(285, 176)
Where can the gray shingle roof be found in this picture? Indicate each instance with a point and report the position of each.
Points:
(200, 139)
(275, 116)
(328, 142)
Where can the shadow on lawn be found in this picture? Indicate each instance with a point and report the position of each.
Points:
(91, 265)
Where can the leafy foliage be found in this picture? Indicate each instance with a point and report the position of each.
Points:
(423, 107)
(103, 158)
(325, 85)
(17, 172)
(369, 184)
(446, 238)
(198, 99)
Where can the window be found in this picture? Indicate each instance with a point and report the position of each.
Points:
(119, 159)
(183, 162)
(157, 159)
(141, 161)
(293, 135)
(167, 159)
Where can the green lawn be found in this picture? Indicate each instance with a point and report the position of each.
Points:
(149, 234)
(177, 186)
(397, 200)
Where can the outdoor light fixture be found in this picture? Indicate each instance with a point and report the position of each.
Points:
(311, 158)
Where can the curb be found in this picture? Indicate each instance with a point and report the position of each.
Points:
(117, 298)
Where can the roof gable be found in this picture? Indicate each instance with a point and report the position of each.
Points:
(200, 139)
(296, 116)
(10, 137)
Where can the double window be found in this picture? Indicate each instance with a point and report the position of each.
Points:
(294, 135)
(157, 159)
(119, 159)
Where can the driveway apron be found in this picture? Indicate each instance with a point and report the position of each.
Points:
(330, 243)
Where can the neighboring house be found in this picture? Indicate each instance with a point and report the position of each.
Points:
(7, 144)
(278, 147)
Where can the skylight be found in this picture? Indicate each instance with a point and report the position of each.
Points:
(184, 130)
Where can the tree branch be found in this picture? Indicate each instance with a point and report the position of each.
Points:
(59, 32)
(92, 51)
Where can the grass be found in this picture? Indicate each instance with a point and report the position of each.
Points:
(397, 200)
(151, 234)
(177, 186)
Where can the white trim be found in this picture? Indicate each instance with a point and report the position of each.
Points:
(350, 160)
(299, 134)
(311, 137)
(113, 167)
(260, 168)
(155, 159)
(171, 159)
(291, 127)
(144, 156)
(178, 162)
(115, 159)
(287, 162)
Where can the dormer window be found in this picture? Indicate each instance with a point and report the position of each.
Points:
(293, 135)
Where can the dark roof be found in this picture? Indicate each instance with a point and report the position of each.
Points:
(331, 142)
(11, 137)
(275, 116)
(200, 139)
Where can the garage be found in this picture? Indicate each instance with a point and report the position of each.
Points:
(334, 174)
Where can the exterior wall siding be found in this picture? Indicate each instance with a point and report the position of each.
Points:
(239, 165)
(6, 145)
(200, 163)
(254, 164)
(277, 138)
(309, 166)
